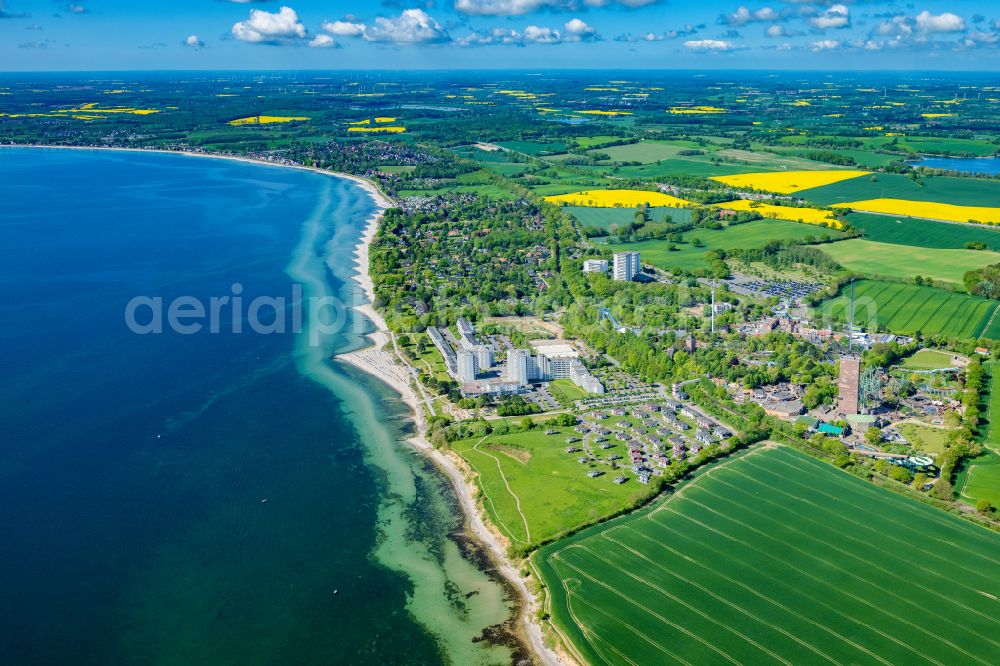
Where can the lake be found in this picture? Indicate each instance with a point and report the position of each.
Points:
(983, 165)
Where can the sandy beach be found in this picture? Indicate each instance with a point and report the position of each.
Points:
(383, 361)
(391, 368)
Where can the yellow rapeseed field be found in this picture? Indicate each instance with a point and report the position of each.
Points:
(695, 110)
(805, 215)
(787, 182)
(368, 121)
(926, 209)
(383, 129)
(617, 199)
(598, 112)
(266, 120)
(87, 111)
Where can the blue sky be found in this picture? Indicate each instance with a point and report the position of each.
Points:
(445, 34)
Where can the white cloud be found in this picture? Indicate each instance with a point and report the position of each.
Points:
(577, 30)
(538, 35)
(687, 31)
(826, 45)
(979, 38)
(499, 7)
(344, 28)
(897, 25)
(837, 16)
(710, 45)
(413, 26)
(776, 31)
(322, 42)
(270, 28)
(193, 42)
(522, 7)
(494, 36)
(946, 22)
(744, 15)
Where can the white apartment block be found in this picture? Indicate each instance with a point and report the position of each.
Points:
(466, 367)
(595, 266)
(626, 266)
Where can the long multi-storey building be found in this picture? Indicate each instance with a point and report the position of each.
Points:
(626, 266)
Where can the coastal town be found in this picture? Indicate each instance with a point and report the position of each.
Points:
(678, 375)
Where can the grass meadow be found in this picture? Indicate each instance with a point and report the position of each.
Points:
(897, 261)
(687, 257)
(603, 218)
(533, 490)
(775, 557)
(928, 359)
(907, 308)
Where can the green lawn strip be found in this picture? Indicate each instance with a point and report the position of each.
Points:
(927, 359)
(980, 478)
(924, 439)
(566, 392)
(551, 487)
(497, 500)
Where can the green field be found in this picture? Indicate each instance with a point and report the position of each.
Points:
(909, 146)
(603, 218)
(594, 141)
(980, 478)
(650, 151)
(566, 392)
(863, 158)
(775, 557)
(681, 166)
(925, 439)
(430, 360)
(533, 490)
(957, 191)
(533, 147)
(923, 233)
(687, 257)
(906, 261)
(928, 359)
(907, 308)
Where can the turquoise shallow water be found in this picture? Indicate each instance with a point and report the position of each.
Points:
(133, 468)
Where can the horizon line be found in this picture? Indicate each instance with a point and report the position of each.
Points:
(923, 71)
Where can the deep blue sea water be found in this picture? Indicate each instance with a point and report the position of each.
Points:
(985, 165)
(134, 468)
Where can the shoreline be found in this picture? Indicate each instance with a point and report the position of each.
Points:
(392, 369)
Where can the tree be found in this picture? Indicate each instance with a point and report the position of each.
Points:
(985, 507)
(900, 474)
(943, 489)
(873, 436)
